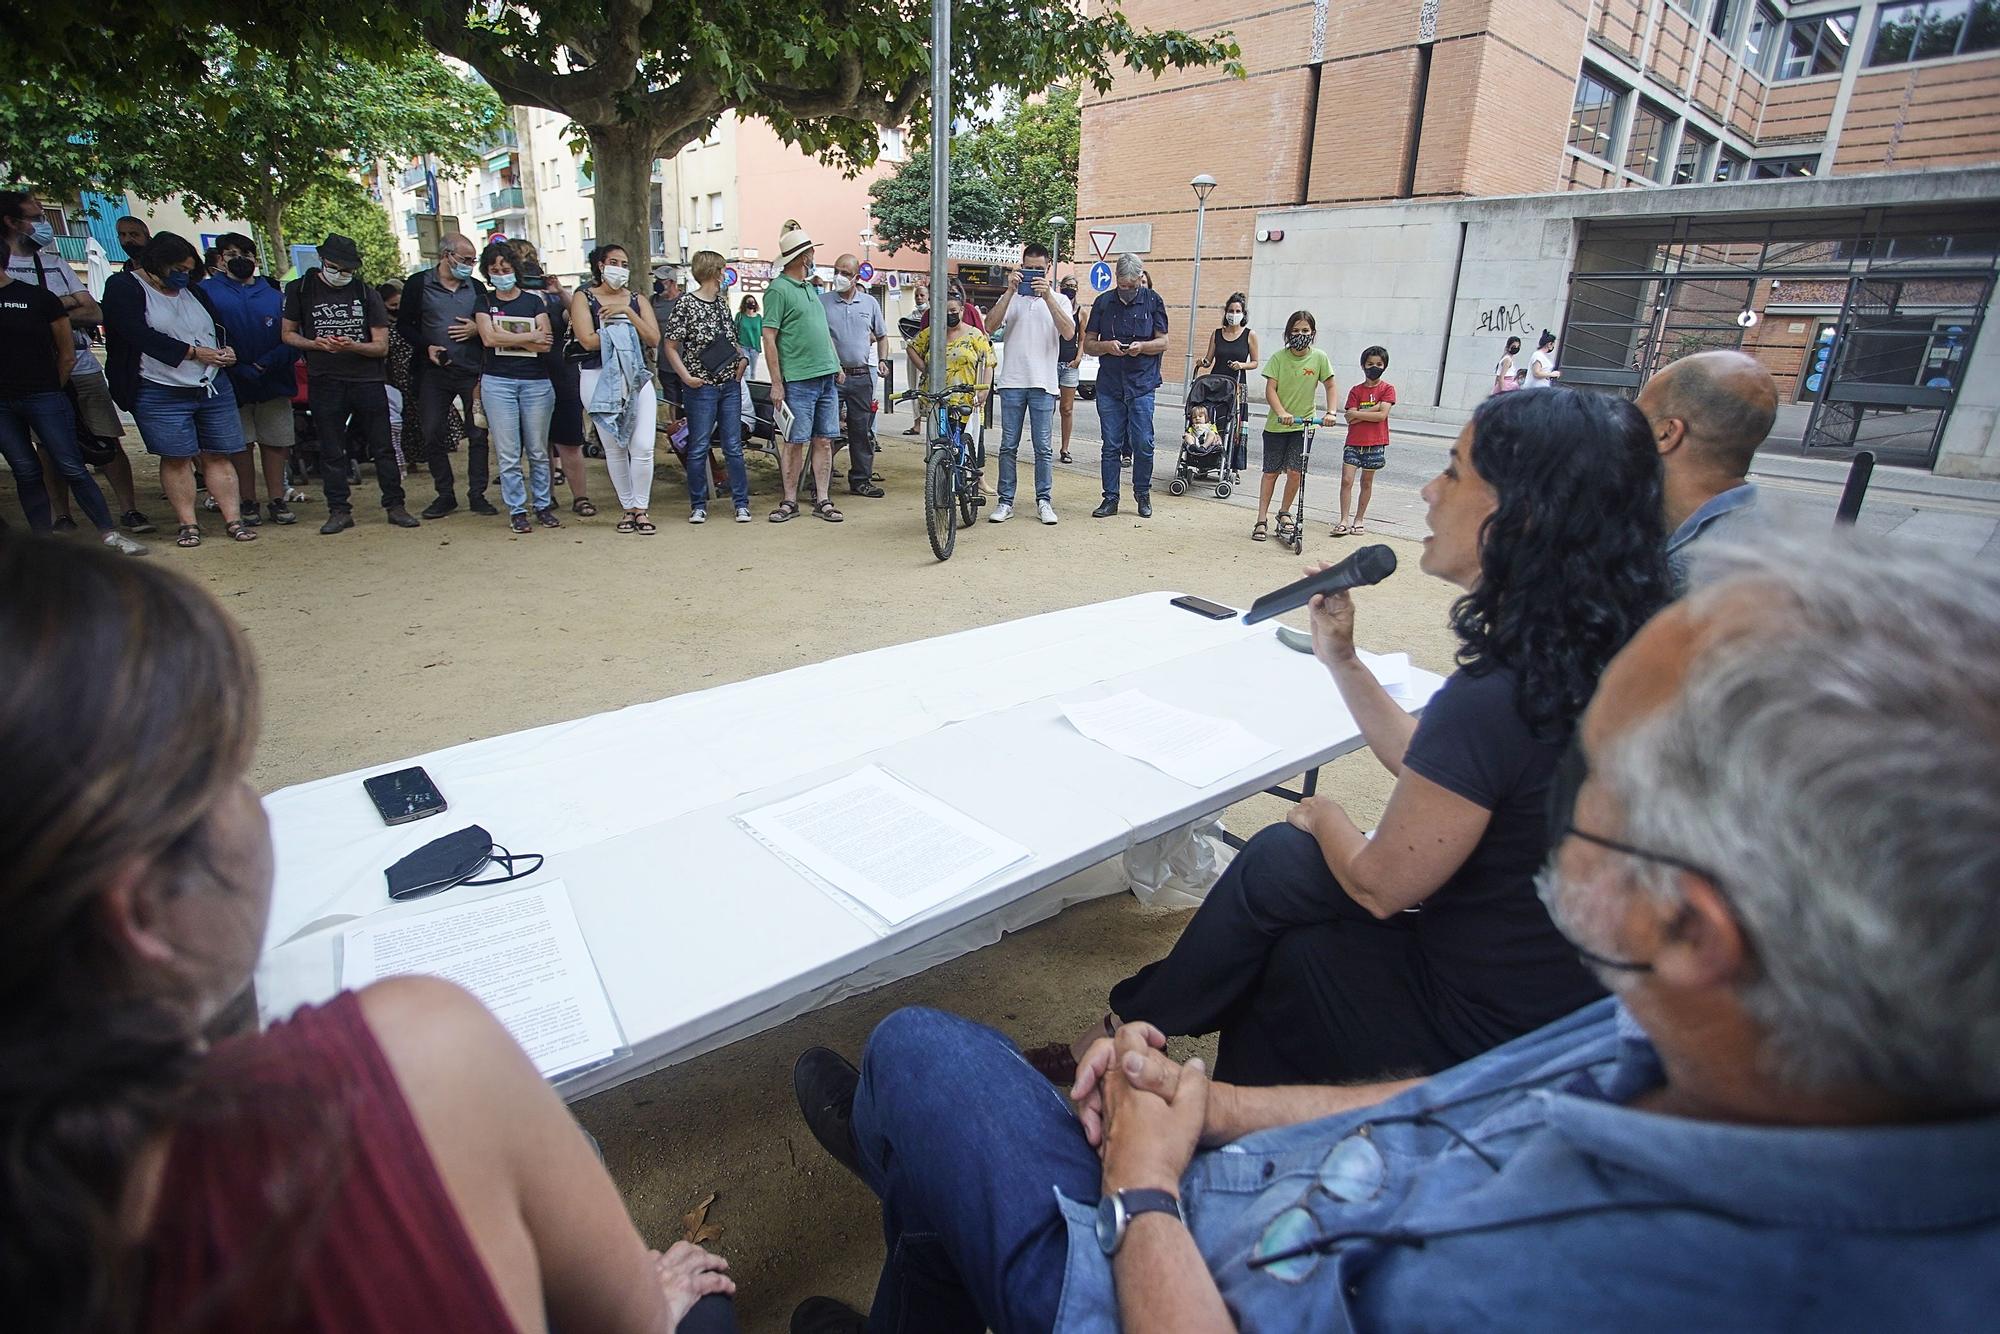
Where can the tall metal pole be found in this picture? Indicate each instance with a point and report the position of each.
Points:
(1194, 298)
(940, 183)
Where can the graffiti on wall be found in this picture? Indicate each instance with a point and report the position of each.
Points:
(1505, 319)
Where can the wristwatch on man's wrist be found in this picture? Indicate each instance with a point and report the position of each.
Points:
(1116, 1211)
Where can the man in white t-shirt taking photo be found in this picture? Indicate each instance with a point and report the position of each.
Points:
(1034, 319)
(31, 258)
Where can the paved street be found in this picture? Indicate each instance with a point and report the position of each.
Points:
(1963, 515)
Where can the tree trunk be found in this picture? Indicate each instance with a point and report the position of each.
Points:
(622, 164)
(279, 262)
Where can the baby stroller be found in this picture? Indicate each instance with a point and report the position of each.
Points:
(1211, 455)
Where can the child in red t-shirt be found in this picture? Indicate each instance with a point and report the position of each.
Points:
(1367, 412)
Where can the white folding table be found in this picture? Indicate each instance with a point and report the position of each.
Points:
(700, 933)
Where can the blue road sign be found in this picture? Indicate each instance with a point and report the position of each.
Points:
(1100, 277)
(729, 276)
(867, 273)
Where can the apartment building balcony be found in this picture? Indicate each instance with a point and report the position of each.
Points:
(502, 202)
(412, 175)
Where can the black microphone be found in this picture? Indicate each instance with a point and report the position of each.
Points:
(1370, 565)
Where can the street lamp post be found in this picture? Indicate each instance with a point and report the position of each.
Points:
(940, 177)
(1201, 184)
(1056, 223)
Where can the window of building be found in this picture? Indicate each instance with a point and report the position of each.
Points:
(555, 173)
(1731, 165)
(1760, 40)
(1928, 29)
(1720, 17)
(1593, 121)
(1646, 149)
(562, 236)
(715, 213)
(1784, 168)
(696, 220)
(895, 148)
(1693, 155)
(1816, 45)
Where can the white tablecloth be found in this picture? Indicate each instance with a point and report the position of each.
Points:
(700, 933)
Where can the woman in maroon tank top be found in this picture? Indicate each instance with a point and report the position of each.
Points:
(389, 1161)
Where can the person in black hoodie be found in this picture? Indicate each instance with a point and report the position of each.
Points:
(168, 352)
(251, 307)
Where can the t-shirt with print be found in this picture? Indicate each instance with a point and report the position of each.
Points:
(54, 273)
(694, 324)
(1299, 380)
(805, 344)
(514, 363)
(963, 356)
(322, 311)
(27, 350)
(1492, 953)
(1364, 395)
(1033, 345)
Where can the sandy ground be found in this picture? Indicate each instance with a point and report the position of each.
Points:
(381, 643)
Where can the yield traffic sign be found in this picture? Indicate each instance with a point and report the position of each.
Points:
(1101, 242)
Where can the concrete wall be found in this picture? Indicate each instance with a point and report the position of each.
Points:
(1971, 444)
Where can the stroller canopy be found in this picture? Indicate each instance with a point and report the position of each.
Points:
(1213, 391)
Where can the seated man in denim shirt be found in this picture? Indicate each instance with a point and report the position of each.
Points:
(1778, 851)
(1710, 413)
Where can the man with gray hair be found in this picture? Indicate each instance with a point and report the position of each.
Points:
(1709, 413)
(1127, 333)
(1777, 846)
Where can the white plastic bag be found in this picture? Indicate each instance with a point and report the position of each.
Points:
(1177, 869)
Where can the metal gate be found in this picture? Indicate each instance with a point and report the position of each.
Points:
(1895, 364)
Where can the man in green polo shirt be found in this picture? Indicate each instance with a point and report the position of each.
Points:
(805, 374)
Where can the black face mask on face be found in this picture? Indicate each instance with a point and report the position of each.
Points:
(1372, 372)
(132, 248)
(241, 267)
(952, 319)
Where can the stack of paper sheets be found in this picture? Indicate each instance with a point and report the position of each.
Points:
(1193, 747)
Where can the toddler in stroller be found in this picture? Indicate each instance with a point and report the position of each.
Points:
(1208, 450)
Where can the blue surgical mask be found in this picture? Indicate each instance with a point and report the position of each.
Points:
(178, 279)
(461, 271)
(503, 282)
(42, 234)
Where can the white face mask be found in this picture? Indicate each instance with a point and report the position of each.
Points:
(1233, 318)
(842, 283)
(616, 275)
(335, 278)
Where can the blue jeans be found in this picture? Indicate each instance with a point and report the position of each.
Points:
(518, 413)
(178, 423)
(715, 418)
(1126, 423)
(52, 419)
(1039, 405)
(961, 1140)
(815, 406)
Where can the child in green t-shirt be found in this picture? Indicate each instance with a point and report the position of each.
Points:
(1291, 379)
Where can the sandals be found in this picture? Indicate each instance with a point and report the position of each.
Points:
(824, 510)
(190, 535)
(642, 524)
(787, 511)
(1260, 533)
(1066, 458)
(1355, 529)
(239, 531)
(1286, 528)
(629, 523)
(582, 508)
(1339, 530)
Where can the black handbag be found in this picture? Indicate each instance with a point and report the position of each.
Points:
(719, 358)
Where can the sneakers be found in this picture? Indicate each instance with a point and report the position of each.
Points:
(336, 521)
(1107, 509)
(65, 524)
(743, 514)
(122, 544)
(519, 523)
(134, 521)
(1003, 512)
(282, 513)
(440, 507)
(1046, 512)
(698, 514)
(252, 516)
(824, 1315)
(824, 1084)
(481, 505)
(402, 518)
(546, 517)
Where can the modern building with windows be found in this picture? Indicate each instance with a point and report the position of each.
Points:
(1814, 182)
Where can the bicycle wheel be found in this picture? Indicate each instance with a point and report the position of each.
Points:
(940, 509)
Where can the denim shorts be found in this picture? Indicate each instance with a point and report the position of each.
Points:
(815, 406)
(179, 423)
(1369, 457)
(1067, 376)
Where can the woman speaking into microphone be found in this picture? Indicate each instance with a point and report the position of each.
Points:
(1324, 955)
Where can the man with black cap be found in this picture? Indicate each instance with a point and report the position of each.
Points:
(343, 328)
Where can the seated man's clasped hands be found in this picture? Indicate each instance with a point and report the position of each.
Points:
(1775, 845)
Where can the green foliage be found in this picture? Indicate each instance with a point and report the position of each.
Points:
(902, 204)
(1008, 177)
(348, 210)
(253, 134)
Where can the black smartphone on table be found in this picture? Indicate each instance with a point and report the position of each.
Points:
(1215, 611)
(405, 795)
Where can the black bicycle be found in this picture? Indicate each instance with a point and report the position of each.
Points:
(953, 462)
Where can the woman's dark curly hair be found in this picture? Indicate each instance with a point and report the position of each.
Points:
(1572, 560)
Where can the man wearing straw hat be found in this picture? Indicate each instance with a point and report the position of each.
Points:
(805, 375)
